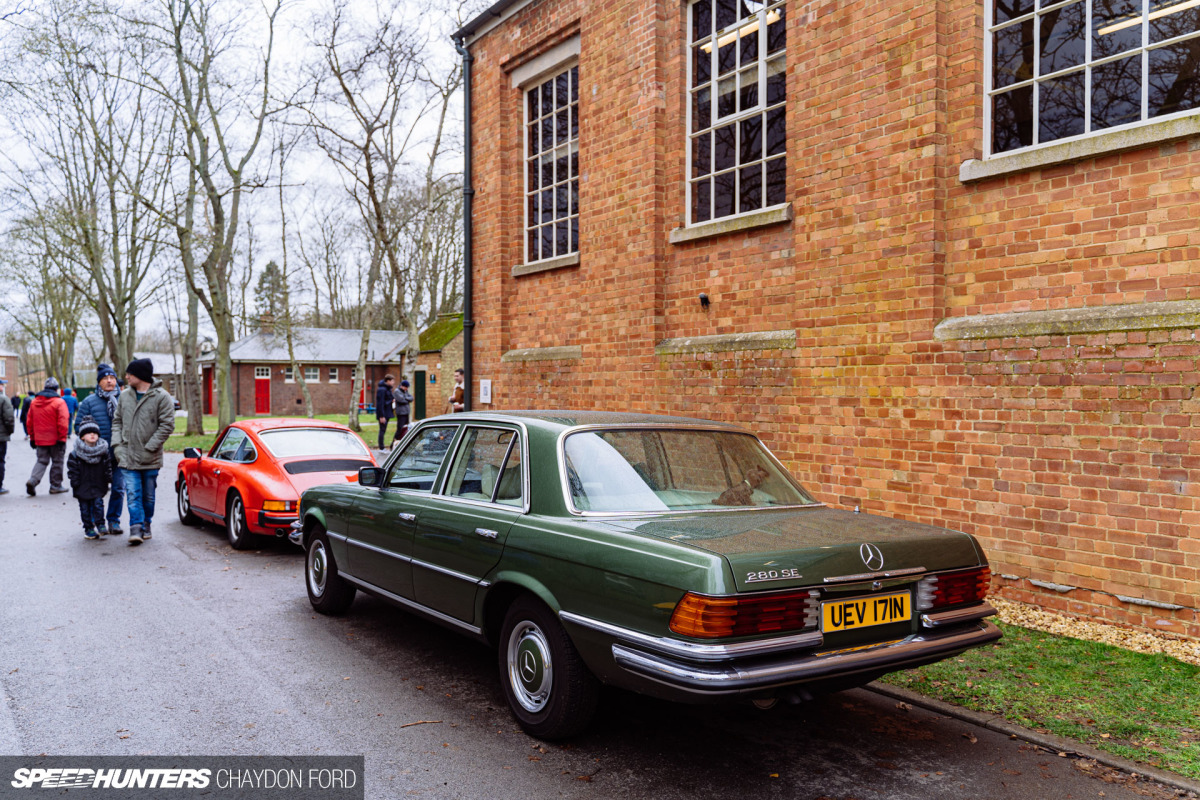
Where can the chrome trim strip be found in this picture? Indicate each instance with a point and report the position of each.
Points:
(868, 576)
(443, 570)
(374, 549)
(404, 601)
(715, 426)
(337, 536)
(699, 652)
(958, 615)
(700, 678)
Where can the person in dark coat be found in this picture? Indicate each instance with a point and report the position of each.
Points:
(8, 424)
(25, 405)
(384, 405)
(89, 468)
(101, 406)
(48, 430)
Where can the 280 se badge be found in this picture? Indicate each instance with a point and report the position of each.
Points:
(632, 550)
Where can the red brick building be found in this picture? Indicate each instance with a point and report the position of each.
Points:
(264, 383)
(948, 268)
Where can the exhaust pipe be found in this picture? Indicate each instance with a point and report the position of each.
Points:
(280, 533)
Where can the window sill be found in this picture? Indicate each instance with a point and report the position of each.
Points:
(745, 222)
(571, 260)
(566, 353)
(1099, 144)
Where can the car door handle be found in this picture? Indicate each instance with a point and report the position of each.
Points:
(407, 517)
(216, 472)
(487, 534)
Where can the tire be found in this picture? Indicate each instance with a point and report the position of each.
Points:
(236, 527)
(328, 592)
(183, 503)
(549, 689)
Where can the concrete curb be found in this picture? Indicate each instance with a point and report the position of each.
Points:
(1056, 743)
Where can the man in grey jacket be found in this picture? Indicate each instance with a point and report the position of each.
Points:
(145, 418)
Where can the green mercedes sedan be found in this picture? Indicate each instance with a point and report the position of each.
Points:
(669, 556)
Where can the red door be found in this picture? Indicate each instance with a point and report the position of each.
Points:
(262, 395)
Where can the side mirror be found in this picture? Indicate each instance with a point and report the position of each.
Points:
(370, 476)
(191, 452)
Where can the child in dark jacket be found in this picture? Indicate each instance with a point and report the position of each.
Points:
(89, 469)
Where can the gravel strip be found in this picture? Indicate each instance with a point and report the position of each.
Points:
(1027, 616)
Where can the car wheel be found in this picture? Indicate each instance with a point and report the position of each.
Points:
(183, 503)
(236, 527)
(549, 689)
(328, 591)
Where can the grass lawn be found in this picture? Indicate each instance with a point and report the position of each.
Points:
(1144, 707)
(177, 442)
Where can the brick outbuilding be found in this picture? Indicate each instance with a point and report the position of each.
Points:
(947, 268)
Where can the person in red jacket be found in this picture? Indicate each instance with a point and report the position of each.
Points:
(48, 425)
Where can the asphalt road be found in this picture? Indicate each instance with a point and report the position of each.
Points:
(184, 646)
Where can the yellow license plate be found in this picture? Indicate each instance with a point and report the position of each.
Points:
(863, 612)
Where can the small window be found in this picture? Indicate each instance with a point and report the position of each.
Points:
(230, 444)
(485, 469)
(288, 375)
(333, 374)
(3, 368)
(312, 374)
(262, 373)
(418, 465)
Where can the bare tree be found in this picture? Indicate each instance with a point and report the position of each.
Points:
(289, 317)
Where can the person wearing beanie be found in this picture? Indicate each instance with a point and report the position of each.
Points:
(8, 425)
(48, 426)
(89, 468)
(144, 418)
(101, 406)
(403, 401)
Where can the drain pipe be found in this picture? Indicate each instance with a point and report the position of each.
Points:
(468, 195)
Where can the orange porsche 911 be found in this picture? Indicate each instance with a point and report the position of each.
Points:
(252, 478)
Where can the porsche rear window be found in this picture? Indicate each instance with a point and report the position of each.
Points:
(289, 442)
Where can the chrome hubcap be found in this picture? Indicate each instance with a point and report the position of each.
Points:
(530, 671)
(235, 519)
(317, 568)
(185, 504)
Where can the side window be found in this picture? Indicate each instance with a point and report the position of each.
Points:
(228, 448)
(481, 468)
(417, 467)
(246, 453)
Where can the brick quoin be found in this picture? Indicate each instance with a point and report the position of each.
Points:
(1074, 457)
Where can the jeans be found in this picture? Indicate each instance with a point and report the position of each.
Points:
(116, 496)
(91, 514)
(140, 485)
(383, 423)
(49, 456)
(3, 456)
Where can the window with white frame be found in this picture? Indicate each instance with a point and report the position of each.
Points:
(333, 374)
(312, 374)
(288, 375)
(261, 373)
(552, 167)
(738, 126)
(1057, 70)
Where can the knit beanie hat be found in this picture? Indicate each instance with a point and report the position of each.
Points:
(103, 371)
(142, 369)
(51, 385)
(88, 425)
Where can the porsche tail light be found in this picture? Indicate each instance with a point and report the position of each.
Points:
(948, 589)
(705, 617)
(279, 505)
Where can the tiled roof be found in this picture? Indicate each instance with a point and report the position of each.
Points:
(317, 346)
(441, 332)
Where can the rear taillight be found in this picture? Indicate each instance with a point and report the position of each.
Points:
(948, 589)
(705, 617)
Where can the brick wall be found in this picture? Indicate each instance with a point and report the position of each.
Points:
(1074, 458)
(287, 400)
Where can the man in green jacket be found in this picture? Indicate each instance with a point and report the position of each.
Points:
(145, 418)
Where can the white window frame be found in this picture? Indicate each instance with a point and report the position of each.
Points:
(733, 119)
(288, 375)
(548, 76)
(3, 367)
(262, 373)
(333, 375)
(312, 374)
(1041, 6)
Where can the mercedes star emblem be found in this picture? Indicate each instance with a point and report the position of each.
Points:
(528, 667)
(871, 556)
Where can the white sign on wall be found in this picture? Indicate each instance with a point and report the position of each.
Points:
(485, 392)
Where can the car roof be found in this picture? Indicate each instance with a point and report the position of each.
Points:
(260, 424)
(562, 419)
